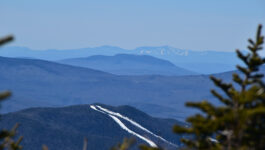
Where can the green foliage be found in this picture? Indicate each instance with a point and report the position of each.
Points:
(144, 147)
(240, 122)
(7, 141)
(128, 143)
(6, 136)
(6, 39)
(125, 145)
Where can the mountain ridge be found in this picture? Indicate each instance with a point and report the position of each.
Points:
(187, 59)
(56, 127)
(41, 83)
(128, 64)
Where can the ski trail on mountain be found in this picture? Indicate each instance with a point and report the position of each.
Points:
(122, 125)
(93, 107)
(151, 143)
(135, 124)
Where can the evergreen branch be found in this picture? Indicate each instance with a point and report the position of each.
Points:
(238, 79)
(242, 57)
(180, 129)
(220, 97)
(240, 123)
(259, 37)
(6, 39)
(204, 106)
(4, 95)
(225, 87)
(243, 70)
(144, 147)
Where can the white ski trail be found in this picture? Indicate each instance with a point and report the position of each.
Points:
(151, 143)
(93, 107)
(122, 125)
(135, 124)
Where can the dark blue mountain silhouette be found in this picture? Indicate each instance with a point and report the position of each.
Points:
(65, 128)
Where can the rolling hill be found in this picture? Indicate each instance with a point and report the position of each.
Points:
(43, 83)
(65, 128)
(125, 64)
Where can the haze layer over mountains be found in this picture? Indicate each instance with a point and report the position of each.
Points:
(151, 84)
(202, 62)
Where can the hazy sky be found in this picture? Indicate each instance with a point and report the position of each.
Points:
(221, 25)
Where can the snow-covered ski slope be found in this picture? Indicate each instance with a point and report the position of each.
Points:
(115, 116)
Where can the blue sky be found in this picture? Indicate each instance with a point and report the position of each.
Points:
(221, 25)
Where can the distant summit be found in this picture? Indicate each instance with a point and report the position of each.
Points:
(128, 64)
(162, 50)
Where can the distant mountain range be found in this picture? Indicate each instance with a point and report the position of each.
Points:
(43, 83)
(128, 64)
(65, 128)
(205, 62)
